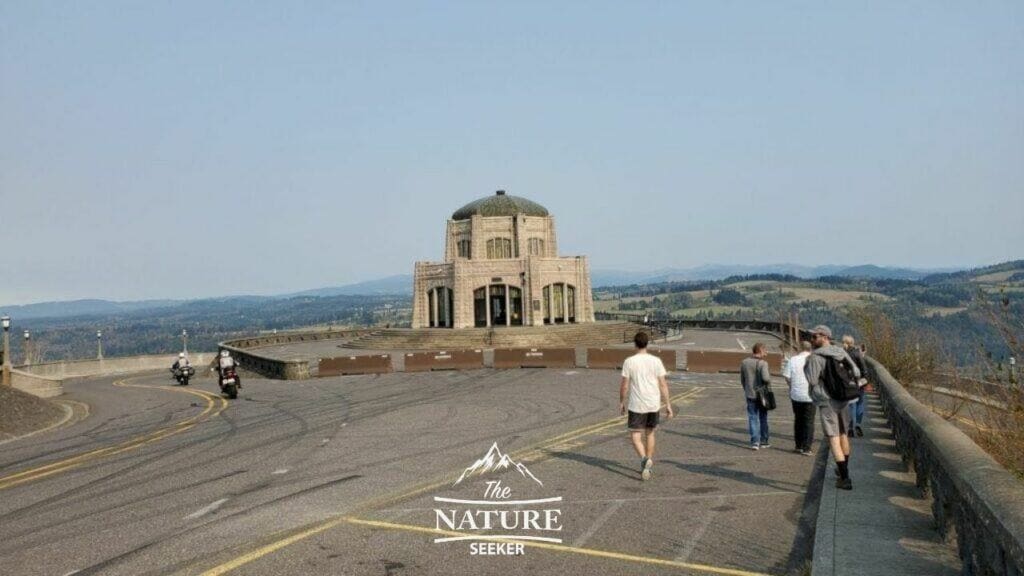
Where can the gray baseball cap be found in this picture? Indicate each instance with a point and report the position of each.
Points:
(823, 330)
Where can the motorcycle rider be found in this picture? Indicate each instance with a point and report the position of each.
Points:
(181, 362)
(225, 361)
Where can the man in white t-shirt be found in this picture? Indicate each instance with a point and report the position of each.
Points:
(643, 381)
(800, 395)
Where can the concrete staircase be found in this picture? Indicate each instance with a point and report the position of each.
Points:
(558, 336)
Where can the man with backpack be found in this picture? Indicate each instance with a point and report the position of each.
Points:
(834, 380)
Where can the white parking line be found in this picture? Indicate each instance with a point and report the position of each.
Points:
(684, 555)
(742, 345)
(206, 509)
(607, 514)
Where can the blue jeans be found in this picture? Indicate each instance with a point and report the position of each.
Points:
(857, 410)
(757, 422)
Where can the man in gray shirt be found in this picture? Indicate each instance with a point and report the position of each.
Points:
(754, 374)
(834, 414)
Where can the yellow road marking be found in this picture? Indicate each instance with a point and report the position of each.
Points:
(76, 461)
(563, 548)
(546, 444)
(528, 454)
(272, 547)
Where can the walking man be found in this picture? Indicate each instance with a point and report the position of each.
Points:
(800, 395)
(857, 406)
(754, 375)
(834, 414)
(643, 380)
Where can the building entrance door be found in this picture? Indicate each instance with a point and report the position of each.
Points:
(499, 310)
(480, 307)
(515, 304)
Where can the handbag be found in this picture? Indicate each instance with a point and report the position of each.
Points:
(765, 398)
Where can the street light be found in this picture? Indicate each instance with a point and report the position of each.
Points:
(28, 348)
(184, 340)
(5, 321)
(99, 344)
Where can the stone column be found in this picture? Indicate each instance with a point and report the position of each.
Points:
(565, 303)
(487, 303)
(435, 317)
(551, 304)
(7, 354)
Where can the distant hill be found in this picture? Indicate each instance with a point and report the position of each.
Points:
(398, 284)
(83, 308)
(601, 278)
(401, 285)
(872, 271)
(1006, 268)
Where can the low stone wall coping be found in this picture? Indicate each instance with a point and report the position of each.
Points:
(973, 494)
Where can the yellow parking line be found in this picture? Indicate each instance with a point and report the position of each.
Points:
(530, 453)
(564, 548)
(47, 470)
(385, 500)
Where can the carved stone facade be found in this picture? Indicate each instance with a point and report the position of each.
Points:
(501, 268)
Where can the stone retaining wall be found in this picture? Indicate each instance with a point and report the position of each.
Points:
(40, 386)
(975, 500)
(117, 365)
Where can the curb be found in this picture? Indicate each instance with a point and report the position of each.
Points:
(69, 413)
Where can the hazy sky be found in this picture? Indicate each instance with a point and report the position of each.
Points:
(183, 149)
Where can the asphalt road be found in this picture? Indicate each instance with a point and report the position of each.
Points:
(339, 475)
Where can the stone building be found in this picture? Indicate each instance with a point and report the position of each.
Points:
(501, 268)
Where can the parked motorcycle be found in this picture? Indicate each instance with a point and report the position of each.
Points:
(230, 382)
(183, 374)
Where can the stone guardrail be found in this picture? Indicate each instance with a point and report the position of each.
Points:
(243, 350)
(250, 342)
(63, 370)
(973, 496)
(41, 386)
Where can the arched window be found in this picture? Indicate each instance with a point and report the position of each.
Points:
(498, 248)
(535, 246)
(559, 303)
(440, 308)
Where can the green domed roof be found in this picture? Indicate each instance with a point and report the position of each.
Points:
(500, 204)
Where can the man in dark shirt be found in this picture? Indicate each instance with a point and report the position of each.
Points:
(754, 374)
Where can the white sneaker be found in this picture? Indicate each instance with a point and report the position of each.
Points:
(646, 472)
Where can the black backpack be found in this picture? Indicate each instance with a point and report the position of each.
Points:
(838, 380)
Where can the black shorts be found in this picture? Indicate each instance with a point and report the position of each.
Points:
(642, 420)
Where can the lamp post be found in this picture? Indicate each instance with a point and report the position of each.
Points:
(184, 341)
(99, 345)
(6, 322)
(28, 348)
(1013, 370)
